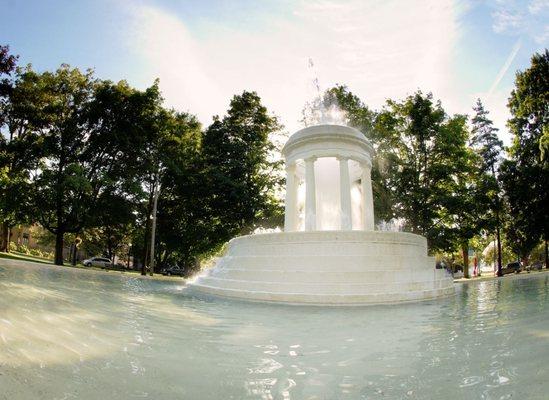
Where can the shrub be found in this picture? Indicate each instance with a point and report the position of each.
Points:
(23, 249)
(35, 252)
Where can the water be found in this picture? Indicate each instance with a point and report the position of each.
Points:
(322, 108)
(68, 333)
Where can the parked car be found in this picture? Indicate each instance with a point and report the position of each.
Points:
(458, 274)
(97, 262)
(457, 271)
(512, 267)
(173, 270)
(537, 266)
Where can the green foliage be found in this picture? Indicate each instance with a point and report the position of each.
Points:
(484, 138)
(86, 131)
(428, 160)
(361, 117)
(487, 147)
(424, 172)
(525, 176)
(523, 217)
(7, 66)
(181, 219)
(242, 174)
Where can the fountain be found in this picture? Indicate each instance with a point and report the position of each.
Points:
(329, 252)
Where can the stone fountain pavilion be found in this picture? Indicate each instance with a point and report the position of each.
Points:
(329, 252)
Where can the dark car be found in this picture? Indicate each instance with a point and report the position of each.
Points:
(513, 267)
(537, 266)
(173, 270)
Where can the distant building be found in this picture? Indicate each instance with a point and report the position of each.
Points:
(29, 236)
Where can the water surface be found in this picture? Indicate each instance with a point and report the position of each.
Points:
(75, 334)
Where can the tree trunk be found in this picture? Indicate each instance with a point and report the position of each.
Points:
(5, 237)
(59, 247)
(546, 255)
(146, 238)
(73, 254)
(145, 252)
(498, 234)
(465, 253)
(498, 238)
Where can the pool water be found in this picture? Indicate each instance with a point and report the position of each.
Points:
(75, 334)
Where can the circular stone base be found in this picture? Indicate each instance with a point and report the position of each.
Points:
(327, 268)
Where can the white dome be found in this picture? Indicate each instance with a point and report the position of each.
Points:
(328, 141)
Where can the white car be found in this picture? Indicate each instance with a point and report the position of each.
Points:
(97, 262)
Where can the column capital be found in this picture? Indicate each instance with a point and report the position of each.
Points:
(343, 158)
(310, 159)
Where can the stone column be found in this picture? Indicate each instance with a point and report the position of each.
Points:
(345, 194)
(290, 213)
(310, 194)
(367, 199)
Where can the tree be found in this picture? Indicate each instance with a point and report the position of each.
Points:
(466, 205)
(88, 132)
(521, 221)
(115, 223)
(243, 174)
(181, 205)
(488, 146)
(7, 67)
(525, 176)
(19, 149)
(427, 153)
(130, 124)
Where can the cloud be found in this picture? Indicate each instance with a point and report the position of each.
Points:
(521, 18)
(172, 54)
(379, 49)
(506, 21)
(537, 6)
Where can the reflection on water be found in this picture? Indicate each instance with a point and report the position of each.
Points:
(68, 333)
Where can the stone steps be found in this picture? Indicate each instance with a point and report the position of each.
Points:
(327, 267)
(324, 288)
(314, 262)
(328, 249)
(327, 276)
(326, 299)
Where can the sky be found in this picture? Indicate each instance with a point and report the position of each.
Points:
(206, 51)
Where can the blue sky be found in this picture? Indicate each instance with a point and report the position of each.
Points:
(206, 51)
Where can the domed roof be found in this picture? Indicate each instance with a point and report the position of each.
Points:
(327, 140)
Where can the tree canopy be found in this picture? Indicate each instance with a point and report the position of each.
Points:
(525, 175)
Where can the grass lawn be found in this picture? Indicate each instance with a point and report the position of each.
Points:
(13, 255)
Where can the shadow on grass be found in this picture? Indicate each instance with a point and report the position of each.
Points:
(136, 272)
(22, 257)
